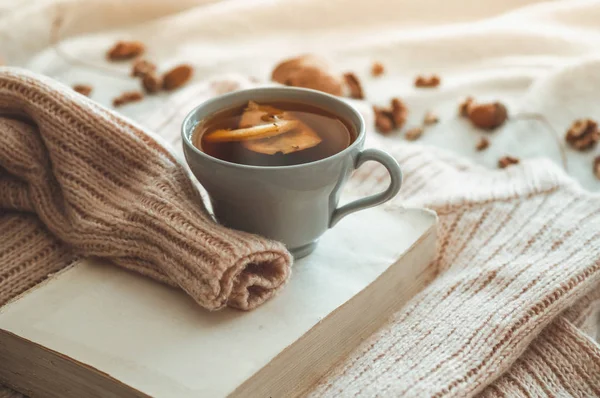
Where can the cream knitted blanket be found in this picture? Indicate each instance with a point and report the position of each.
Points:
(514, 309)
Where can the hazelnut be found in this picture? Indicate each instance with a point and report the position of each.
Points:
(124, 50)
(487, 116)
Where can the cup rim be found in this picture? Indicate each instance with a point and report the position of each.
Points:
(360, 135)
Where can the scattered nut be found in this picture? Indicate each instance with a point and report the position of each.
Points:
(127, 97)
(124, 50)
(152, 82)
(354, 85)
(487, 116)
(583, 134)
(463, 108)
(431, 81)
(430, 118)
(141, 68)
(413, 134)
(383, 120)
(308, 71)
(177, 77)
(597, 167)
(377, 69)
(83, 89)
(392, 117)
(482, 144)
(399, 112)
(315, 79)
(506, 161)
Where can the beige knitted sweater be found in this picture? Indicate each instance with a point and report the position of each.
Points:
(77, 180)
(513, 309)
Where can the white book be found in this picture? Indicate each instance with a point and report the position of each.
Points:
(95, 330)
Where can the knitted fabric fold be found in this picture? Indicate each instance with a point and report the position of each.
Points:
(99, 186)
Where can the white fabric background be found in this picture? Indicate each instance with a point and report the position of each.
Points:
(534, 56)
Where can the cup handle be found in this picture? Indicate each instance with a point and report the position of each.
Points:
(396, 181)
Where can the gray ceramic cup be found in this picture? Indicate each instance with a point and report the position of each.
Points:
(292, 204)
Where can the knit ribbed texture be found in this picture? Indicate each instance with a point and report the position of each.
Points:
(77, 180)
(513, 309)
(28, 254)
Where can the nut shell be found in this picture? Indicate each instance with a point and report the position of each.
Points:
(177, 77)
(308, 71)
(487, 116)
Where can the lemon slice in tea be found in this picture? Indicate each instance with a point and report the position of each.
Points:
(296, 140)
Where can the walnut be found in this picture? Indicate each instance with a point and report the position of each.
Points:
(308, 71)
(152, 82)
(141, 68)
(83, 89)
(377, 69)
(430, 118)
(354, 85)
(127, 97)
(399, 112)
(124, 50)
(463, 108)
(597, 167)
(413, 134)
(583, 134)
(506, 161)
(384, 122)
(487, 116)
(177, 77)
(392, 117)
(430, 81)
(482, 144)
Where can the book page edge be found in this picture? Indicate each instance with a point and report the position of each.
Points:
(271, 381)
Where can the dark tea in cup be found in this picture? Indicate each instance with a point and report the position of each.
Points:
(311, 143)
(273, 134)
